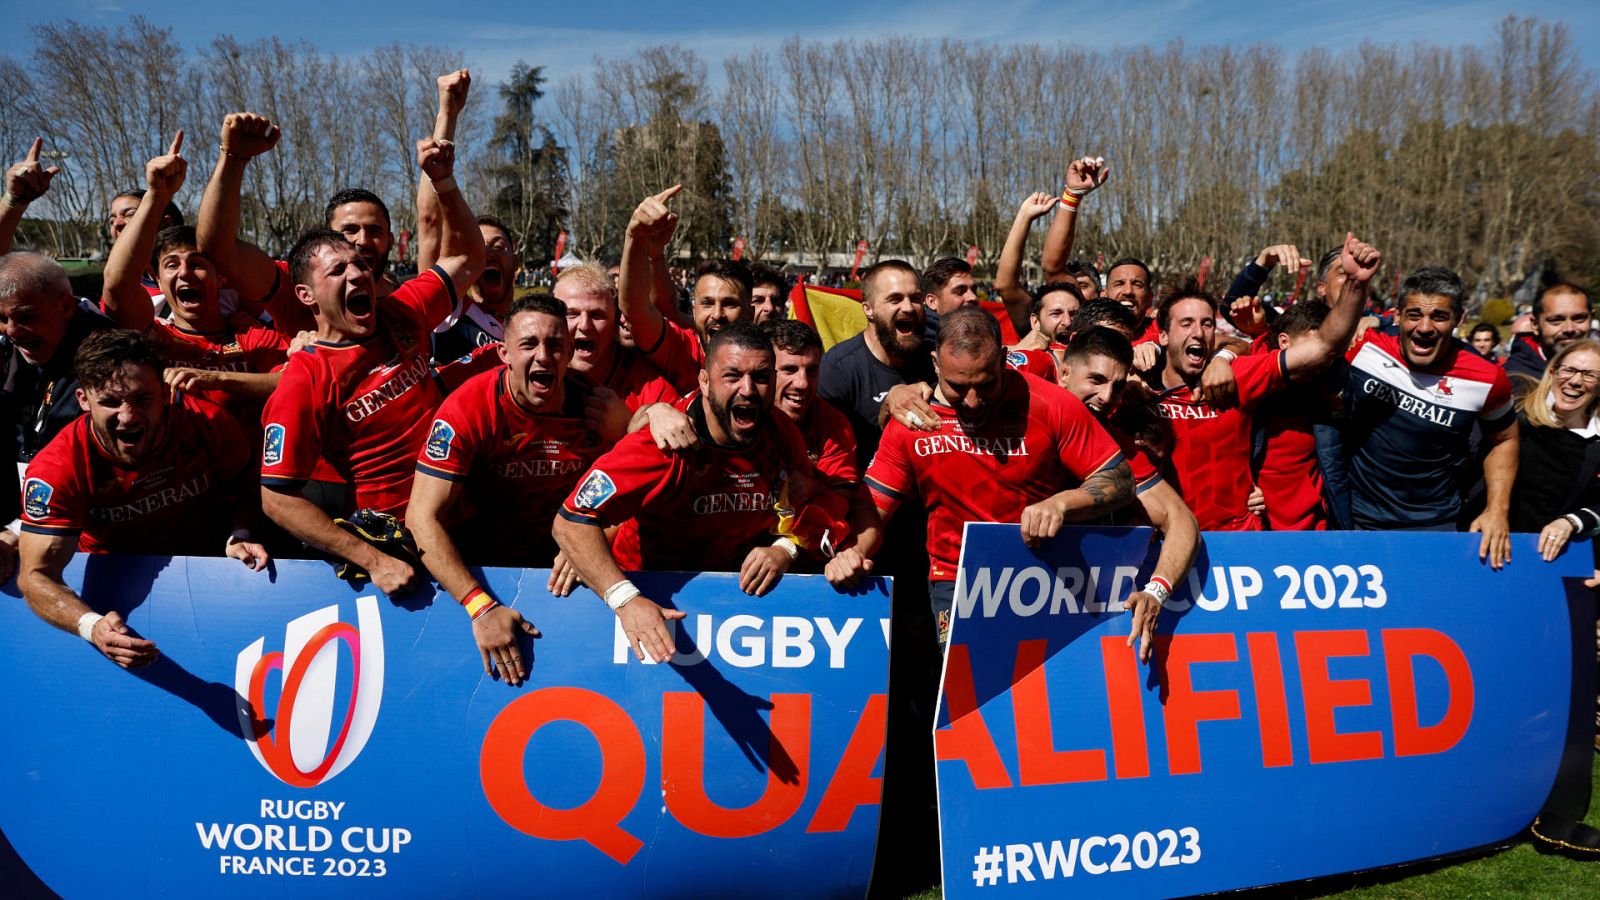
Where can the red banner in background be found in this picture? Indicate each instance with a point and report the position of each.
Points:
(738, 248)
(1205, 272)
(561, 247)
(972, 255)
(405, 238)
(861, 250)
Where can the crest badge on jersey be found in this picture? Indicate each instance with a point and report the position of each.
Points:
(439, 440)
(272, 445)
(1016, 359)
(36, 496)
(595, 490)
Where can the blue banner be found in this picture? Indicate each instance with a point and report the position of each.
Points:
(1318, 704)
(299, 736)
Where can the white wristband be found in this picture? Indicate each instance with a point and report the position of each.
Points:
(1156, 590)
(618, 595)
(444, 185)
(788, 545)
(86, 623)
(1226, 354)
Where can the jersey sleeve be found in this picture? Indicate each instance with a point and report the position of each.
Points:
(656, 390)
(455, 438)
(1499, 410)
(890, 477)
(677, 356)
(292, 425)
(264, 348)
(1259, 375)
(1082, 443)
(53, 501)
(618, 484)
(430, 298)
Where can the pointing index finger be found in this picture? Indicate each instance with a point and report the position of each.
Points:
(668, 194)
(33, 152)
(177, 144)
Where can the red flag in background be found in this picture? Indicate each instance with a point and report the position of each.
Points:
(861, 250)
(1205, 271)
(405, 238)
(561, 247)
(738, 248)
(972, 255)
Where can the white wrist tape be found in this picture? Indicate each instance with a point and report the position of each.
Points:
(444, 185)
(618, 595)
(1226, 354)
(788, 545)
(1158, 591)
(86, 623)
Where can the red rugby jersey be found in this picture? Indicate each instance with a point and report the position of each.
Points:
(258, 349)
(363, 407)
(177, 501)
(516, 466)
(830, 443)
(678, 355)
(1210, 464)
(1034, 362)
(1039, 442)
(700, 509)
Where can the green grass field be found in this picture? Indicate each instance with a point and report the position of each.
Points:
(1520, 871)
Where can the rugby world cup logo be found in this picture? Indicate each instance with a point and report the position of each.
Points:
(298, 743)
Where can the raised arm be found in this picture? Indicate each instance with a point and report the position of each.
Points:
(460, 242)
(643, 253)
(248, 270)
(1006, 277)
(1360, 262)
(453, 90)
(123, 297)
(1083, 176)
(25, 182)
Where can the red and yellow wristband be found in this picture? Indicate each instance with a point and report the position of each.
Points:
(477, 601)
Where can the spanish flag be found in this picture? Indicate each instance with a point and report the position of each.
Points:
(835, 313)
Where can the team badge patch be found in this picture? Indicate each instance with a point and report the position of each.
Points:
(595, 490)
(272, 445)
(439, 440)
(36, 494)
(1016, 359)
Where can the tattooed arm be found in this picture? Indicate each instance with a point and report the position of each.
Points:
(1099, 495)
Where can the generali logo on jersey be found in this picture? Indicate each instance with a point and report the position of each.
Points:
(297, 742)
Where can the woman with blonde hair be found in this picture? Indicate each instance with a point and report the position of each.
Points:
(1556, 492)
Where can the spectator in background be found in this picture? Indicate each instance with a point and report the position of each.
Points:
(1556, 492)
(946, 286)
(1483, 339)
(767, 300)
(1086, 277)
(1560, 316)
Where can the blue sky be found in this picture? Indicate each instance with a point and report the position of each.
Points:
(566, 37)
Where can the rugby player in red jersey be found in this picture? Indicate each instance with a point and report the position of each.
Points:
(1008, 448)
(360, 398)
(205, 355)
(1095, 369)
(830, 442)
(266, 285)
(599, 356)
(721, 295)
(1210, 462)
(141, 473)
(710, 507)
(504, 451)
